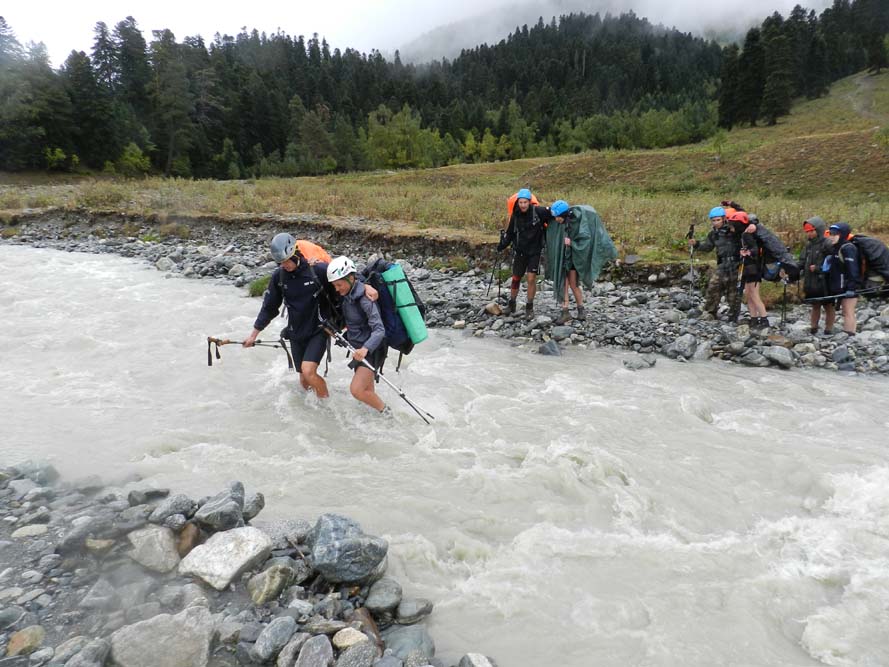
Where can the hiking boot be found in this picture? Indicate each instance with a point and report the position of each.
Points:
(762, 323)
(564, 318)
(529, 310)
(581, 314)
(510, 307)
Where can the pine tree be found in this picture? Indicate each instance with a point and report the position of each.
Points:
(104, 59)
(751, 79)
(170, 97)
(134, 71)
(778, 92)
(92, 116)
(729, 99)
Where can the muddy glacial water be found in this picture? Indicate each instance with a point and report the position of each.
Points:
(559, 511)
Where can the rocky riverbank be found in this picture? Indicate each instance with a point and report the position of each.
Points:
(644, 309)
(93, 575)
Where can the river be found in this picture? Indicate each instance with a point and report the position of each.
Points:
(559, 511)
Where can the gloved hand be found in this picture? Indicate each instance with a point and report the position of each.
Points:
(504, 242)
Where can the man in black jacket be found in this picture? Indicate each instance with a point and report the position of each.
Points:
(525, 234)
(724, 281)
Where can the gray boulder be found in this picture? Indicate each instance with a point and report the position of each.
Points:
(684, 347)
(223, 511)
(359, 655)
(288, 655)
(154, 547)
(253, 505)
(550, 349)
(342, 553)
(227, 555)
(91, 655)
(780, 356)
(413, 611)
(268, 584)
(182, 640)
(101, 596)
(178, 504)
(316, 652)
(384, 596)
(475, 660)
(273, 638)
(404, 639)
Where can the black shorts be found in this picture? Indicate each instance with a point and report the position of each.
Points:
(310, 349)
(522, 264)
(751, 273)
(375, 358)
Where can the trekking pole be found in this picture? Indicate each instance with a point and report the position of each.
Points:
(219, 342)
(491, 281)
(342, 342)
(691, 252)
(784, 306)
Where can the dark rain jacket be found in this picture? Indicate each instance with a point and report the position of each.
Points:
(844, 274)
(727, 245)
(526, 230)
(813, 254)
(302, 293)
(363, 322)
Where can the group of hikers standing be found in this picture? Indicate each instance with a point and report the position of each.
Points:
(571, 239)
(835, 267)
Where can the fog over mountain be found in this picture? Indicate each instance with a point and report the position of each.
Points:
(724, 20)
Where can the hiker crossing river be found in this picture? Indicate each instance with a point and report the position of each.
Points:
(557, 511)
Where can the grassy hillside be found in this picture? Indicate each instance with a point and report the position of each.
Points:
(829, 157)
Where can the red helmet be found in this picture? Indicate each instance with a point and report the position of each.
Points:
(739, 216)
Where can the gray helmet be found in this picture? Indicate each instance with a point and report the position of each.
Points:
(282, 247)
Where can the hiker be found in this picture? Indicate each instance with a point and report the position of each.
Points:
(364, 330)
(811, 260)
(300, 286)
(525, 233)
(577, 247)
(844, 273)
(724, 281)
(750, 271)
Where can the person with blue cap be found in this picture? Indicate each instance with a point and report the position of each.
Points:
(844, 273)
(723, 281)
(525, 234)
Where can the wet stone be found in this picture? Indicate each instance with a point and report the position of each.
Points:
(273, 638)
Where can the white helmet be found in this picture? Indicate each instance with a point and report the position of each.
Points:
(339, 268)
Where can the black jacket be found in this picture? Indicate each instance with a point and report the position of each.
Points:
(525, 232)
(727, 245)
(302, 292)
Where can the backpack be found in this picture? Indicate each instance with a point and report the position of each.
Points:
(874, 256)
(312, 252)
(397, 336)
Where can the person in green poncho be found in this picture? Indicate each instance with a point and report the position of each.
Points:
(577, 247)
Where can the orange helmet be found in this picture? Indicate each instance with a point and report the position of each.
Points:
(738, 216)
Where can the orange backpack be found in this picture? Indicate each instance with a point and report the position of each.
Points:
(312, 252)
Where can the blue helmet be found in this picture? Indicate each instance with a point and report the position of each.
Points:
(524, 193)
(559, 208)
(717, 212)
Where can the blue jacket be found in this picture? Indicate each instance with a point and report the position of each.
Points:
(301, 291)
(365, 326)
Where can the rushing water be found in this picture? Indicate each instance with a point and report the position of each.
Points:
(560, 511)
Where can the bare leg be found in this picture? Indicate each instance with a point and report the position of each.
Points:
(815, 317)
(830, 317)
(850, 324)
(311, 381)
(531, 279)
(575, 288)
(754, 301)
(362, 388)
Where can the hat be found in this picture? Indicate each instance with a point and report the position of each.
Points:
(807, 227)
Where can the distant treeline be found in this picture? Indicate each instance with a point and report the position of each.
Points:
(273, 105)
(800, 56)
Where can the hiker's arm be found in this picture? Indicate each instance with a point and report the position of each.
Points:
(371, 293)
(378, 331)
(271, 303)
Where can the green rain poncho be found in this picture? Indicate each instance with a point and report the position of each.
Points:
(590, 248)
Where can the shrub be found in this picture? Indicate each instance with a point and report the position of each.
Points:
(174, 229)
(9, 232)
(259, 286)
(133, 162)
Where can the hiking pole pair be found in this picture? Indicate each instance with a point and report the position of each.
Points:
(341, 341)
(219, 342)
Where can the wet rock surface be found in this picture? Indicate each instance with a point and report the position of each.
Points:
(97, 587)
